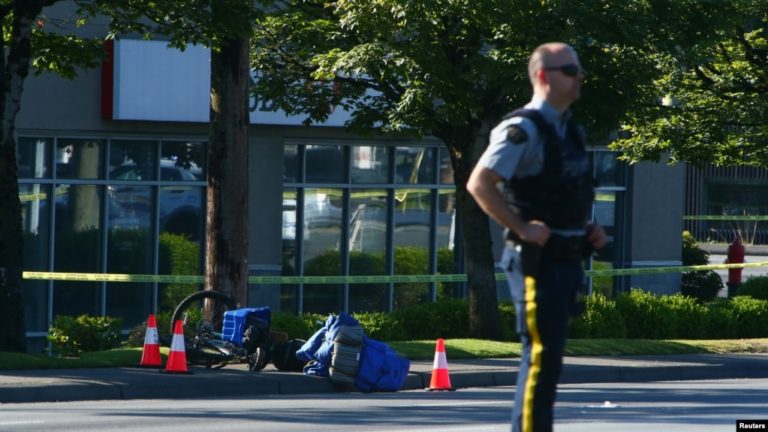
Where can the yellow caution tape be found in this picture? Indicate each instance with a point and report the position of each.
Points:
(372, 279)
(726, 218)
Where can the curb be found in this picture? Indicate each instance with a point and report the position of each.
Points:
(136, 383)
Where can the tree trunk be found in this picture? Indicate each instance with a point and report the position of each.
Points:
(226, 262)
(15, 60)
(478, 254)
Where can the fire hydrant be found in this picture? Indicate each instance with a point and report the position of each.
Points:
(735, 255)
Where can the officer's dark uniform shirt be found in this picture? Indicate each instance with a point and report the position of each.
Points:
(516, 148)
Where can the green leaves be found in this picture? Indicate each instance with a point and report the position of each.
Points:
(63, 54)
(715, 86)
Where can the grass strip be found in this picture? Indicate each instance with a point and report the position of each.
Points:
(425, 350)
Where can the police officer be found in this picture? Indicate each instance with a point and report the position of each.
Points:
(538, 153)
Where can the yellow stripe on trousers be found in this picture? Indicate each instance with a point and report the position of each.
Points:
(536, 349)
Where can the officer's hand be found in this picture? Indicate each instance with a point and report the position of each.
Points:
(535, 232)
(596, 236)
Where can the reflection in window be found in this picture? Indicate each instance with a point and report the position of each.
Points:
(177, 255)
(446, 232)
(129, 251)
(446, 168)
(78, 248)
(290, 163)
(368, 245)
(411, 240)
(35, 209)
(414, 165)
(34, 157)
(289, 292)
(607, 170)
(130, 208)
(369, 164)
(132, 160)
(413, 208)
(322, 237)
(325, 164)
(182, 161)
(181, 211)
(79, 158)
(605, 215)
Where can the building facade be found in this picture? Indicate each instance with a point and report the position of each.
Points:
(112, 180)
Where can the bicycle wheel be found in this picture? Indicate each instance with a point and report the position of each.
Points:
(202, 315)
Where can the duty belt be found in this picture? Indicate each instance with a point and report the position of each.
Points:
(560, 248)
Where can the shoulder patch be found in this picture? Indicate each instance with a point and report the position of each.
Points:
(516, 135)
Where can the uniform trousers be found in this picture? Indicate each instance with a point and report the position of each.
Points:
(544, 300)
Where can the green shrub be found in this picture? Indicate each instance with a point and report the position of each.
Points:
(178, 256)
(380, 325)
(410, 260)
(445, 265)
(702, 285)
(720, 321)
(687, 317)
(692, 253)
(70, 336)
(294, 326)
(602, 284)
(313, 321)
(645, 316)
(442, 319)
(751, 316)
(600, 319)
(138, 332)
(507, 315)
(755, 287)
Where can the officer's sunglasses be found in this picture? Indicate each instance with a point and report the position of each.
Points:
(570, 69)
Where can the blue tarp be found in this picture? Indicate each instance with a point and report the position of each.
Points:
(380, 368)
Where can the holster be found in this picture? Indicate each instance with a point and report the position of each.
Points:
(561, 248)
(530, 258)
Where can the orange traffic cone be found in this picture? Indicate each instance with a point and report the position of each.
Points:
(150, 356)
(177, 359)
(440, 379)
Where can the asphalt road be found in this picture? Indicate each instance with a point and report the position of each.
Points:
(702, 406)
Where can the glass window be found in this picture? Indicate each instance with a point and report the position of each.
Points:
(132, 160)
(446, 167)
(177, 255)
(79, 158)
(322, 257)
(78, 248)
(446, 232)
(35, 218)
(370, 164)
(182, 161)
(130, 251)
(411, 241)
(368, 246)
(607, 169)
(289, 292)
(130, 208)
(182, 211)
(34, 158)
(605, 215)
(325, 164)
(291, 163)
(414, 165)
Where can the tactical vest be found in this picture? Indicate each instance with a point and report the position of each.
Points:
(554, 196)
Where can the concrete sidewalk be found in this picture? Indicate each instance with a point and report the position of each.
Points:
(237, 381)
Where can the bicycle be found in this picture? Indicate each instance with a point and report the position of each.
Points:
(208, 343)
